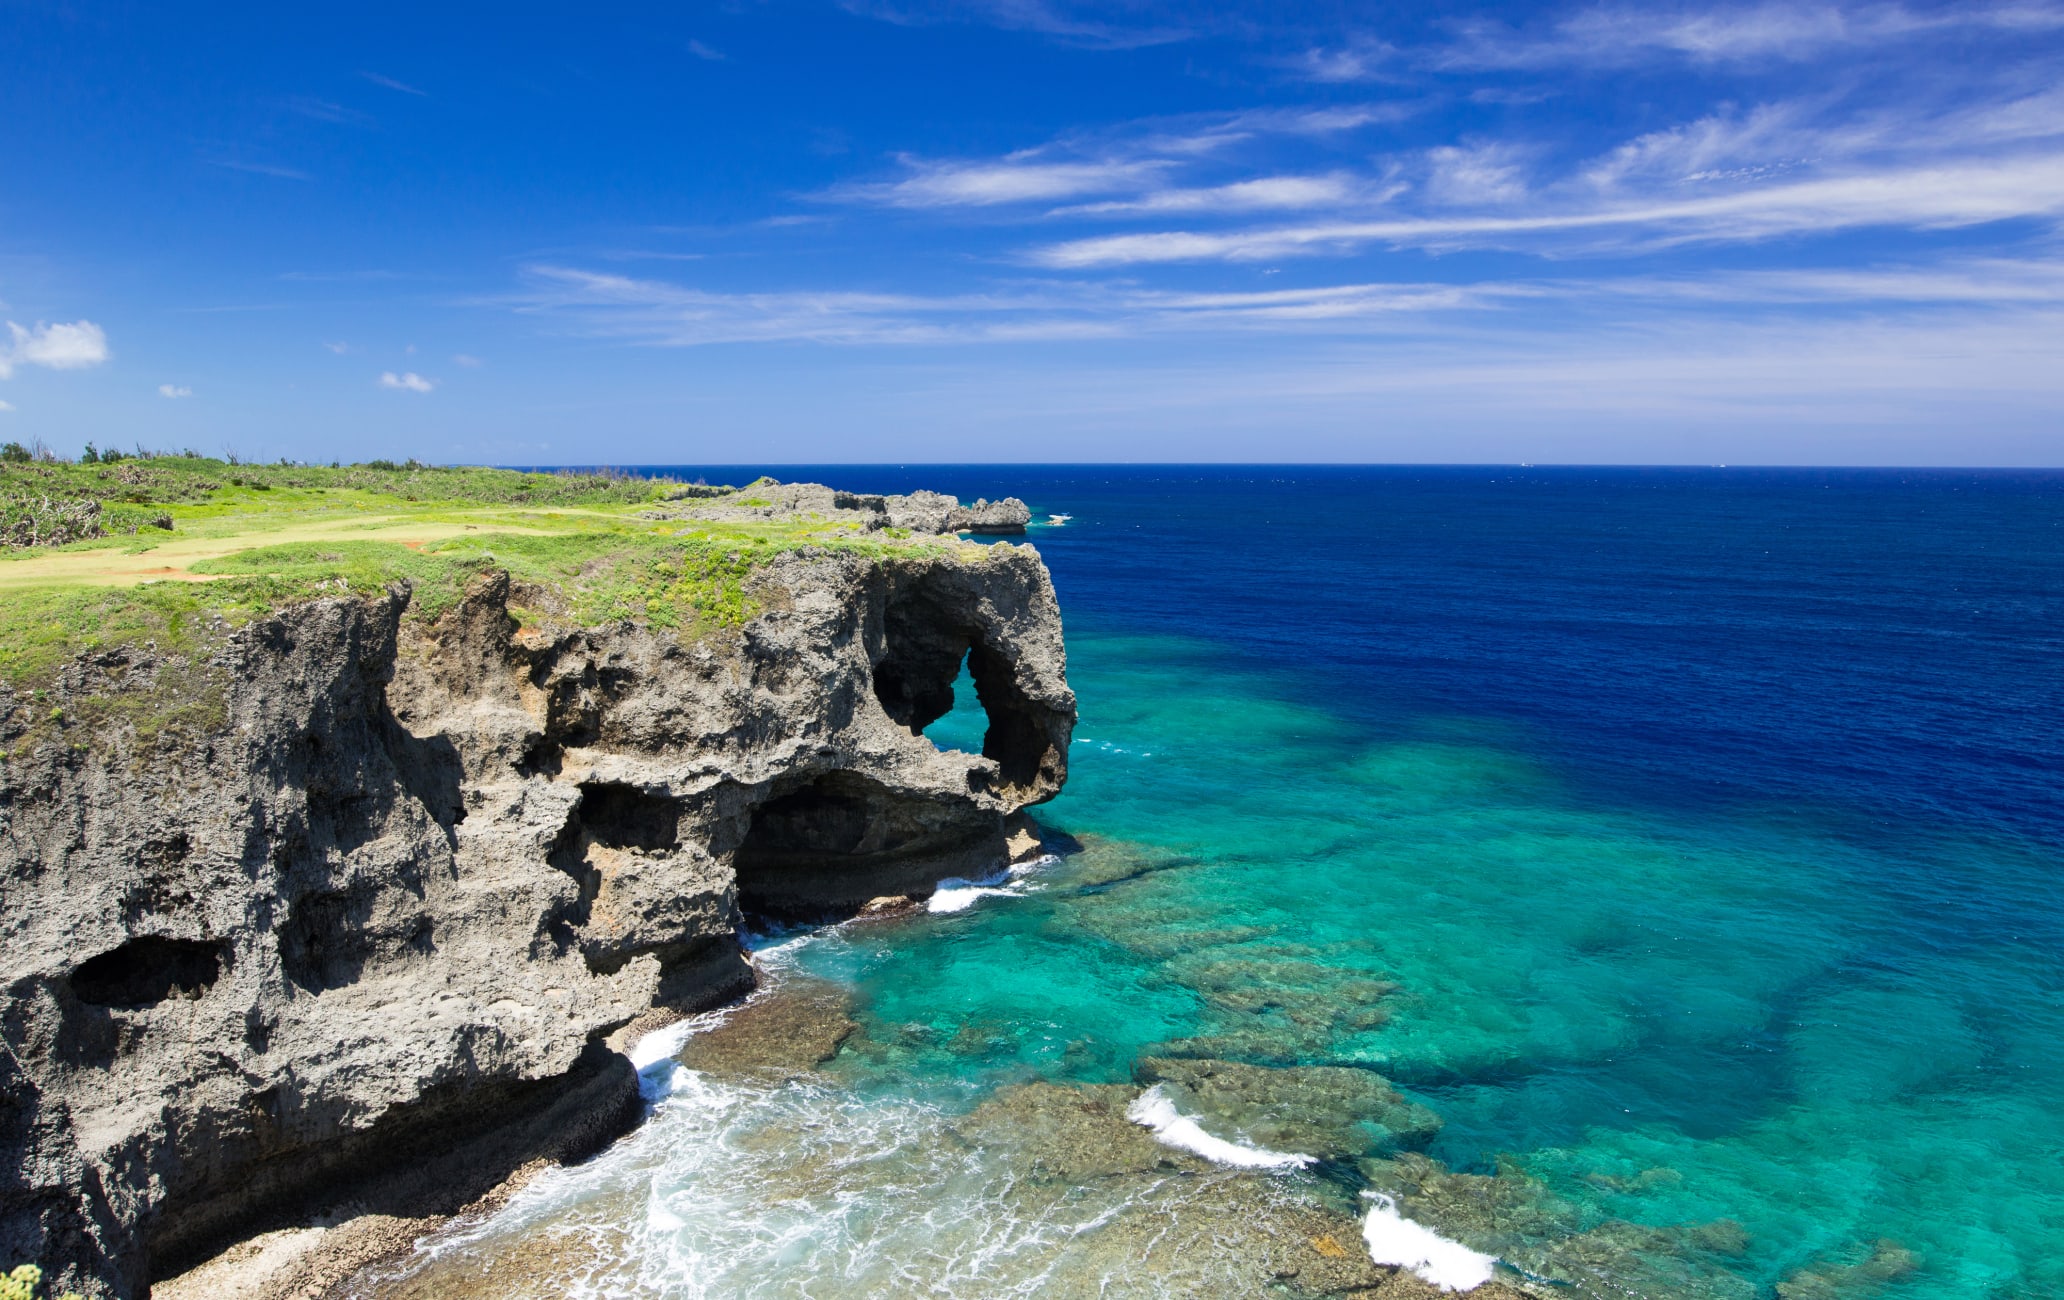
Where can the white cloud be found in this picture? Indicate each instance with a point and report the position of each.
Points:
(391, 84)
(58, 347)
(6, 406)
(258, 169)
(410, 380)
(1042, 16)
(1358, 60)
(1475, 174)
(1921, 198)
(323, 110)
(1017, 178)
(462, 359)
(339, 348)
(654, 312)
(1260, 194)
(174, 390)
(1736, 34)
(1130, 158)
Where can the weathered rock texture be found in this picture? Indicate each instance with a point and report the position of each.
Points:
(381, 914)
(918, 512)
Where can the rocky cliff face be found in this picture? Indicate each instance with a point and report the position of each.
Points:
(362, 934)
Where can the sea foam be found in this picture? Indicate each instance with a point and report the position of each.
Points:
(1171, 1127)
(1394, 1239)
(957, 894)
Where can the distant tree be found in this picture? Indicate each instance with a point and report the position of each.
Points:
(89, 456)
(15, 453)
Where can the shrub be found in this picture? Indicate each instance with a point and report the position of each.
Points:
(21, 1284)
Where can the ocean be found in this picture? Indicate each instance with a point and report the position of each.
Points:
(1688, 841)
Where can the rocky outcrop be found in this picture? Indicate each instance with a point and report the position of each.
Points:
(1332, 1112)
(368, 924)
(1005, 518)
(917, 512)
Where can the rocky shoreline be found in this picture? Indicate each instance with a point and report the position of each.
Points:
(364, 936)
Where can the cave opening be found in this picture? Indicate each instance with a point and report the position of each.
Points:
(146, 971)
(628, 817)
(838, 840)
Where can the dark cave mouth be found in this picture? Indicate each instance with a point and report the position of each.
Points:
(822, 849)
(146, 971)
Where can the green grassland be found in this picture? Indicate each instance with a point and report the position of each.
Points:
(191, 547)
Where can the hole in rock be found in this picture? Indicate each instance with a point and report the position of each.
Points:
(962, 726)
(626, 817)
(933, 651)
(324, 944)
(145, 971)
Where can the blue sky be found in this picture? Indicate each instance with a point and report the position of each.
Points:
(1031, 230)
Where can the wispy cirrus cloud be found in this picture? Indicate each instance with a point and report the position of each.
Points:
(1133, 163)
(659, 313)
(1362, 58)
(257, 169)
(1926, 198)
(1028, 176)
(1263, 193)
(408, 382)
(391, 84)
(1610, 36)
(323, 110)
(1096, 26)
(174, 390)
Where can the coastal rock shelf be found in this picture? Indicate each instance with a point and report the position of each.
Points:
(915, 512)
(368, 935)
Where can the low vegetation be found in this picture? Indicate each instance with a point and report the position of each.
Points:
(169, 551)
(22, 1283)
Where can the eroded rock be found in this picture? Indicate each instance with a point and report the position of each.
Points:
(1070, 1134)
(358, 935)
(795, 1027)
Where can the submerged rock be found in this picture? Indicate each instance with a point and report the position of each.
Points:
(1887, 1261)
(796, 1026)
(1330, 1112)
(1562, 1252)
(1070, 1134)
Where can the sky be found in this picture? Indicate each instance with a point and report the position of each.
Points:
(810, 231)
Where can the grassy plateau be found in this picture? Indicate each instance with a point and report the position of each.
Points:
(170, 551)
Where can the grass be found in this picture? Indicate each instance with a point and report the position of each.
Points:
(192, 548)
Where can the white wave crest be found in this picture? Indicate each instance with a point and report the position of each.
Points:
(957, 894)
(1155, 1111)
(1393, 1239)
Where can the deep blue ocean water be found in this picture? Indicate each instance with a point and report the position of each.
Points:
(1691, 840)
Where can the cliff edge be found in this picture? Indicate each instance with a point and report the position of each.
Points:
(358, 924)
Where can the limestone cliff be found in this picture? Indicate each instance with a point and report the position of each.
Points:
(372, 919)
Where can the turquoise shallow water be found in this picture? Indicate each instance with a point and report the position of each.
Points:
(1671, 1019)
(1690, 844)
